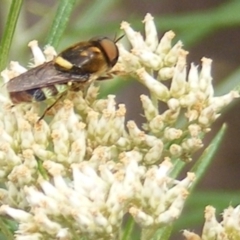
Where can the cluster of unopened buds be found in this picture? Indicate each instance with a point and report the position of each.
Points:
(79, 173)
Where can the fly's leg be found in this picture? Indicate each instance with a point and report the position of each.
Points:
(49, 107)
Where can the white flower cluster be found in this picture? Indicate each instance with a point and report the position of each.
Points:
(78, 174)
(189, 97)
(93, 200)
(229, 228)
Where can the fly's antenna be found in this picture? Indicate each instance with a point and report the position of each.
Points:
(119, 38)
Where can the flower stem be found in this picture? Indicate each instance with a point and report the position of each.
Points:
(64, 11)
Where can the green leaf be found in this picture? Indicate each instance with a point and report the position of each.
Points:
(163, 233)
(128, 229)
(5, 229)
(199, 168)
(61, 19)
(193, 214)
(204, 161)
(9, 32)
(178, 166)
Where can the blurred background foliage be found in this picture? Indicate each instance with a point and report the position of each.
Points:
(207, 28)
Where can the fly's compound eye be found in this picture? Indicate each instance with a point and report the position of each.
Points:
(111, 50)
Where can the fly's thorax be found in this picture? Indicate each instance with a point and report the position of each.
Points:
(89, 61)
(96, 56)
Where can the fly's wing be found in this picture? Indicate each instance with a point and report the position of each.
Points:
(43, 76)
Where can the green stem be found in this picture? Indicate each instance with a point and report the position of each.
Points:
(60, 21)
(9, 32)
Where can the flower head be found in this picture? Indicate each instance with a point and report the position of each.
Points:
(79, 172)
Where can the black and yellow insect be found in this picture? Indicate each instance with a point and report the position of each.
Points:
(70, 70)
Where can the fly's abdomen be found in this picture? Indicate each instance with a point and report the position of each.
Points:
(38, 94)
(52, 91)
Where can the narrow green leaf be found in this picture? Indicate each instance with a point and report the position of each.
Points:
(4, 229)
(62, 16)
(178, 166)
(194, 211)
(219, 199)
(204, 161)
(9, 32)
(163, 233)
(128, 229)
(199, 169)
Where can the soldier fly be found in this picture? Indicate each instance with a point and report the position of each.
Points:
(69, 70)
